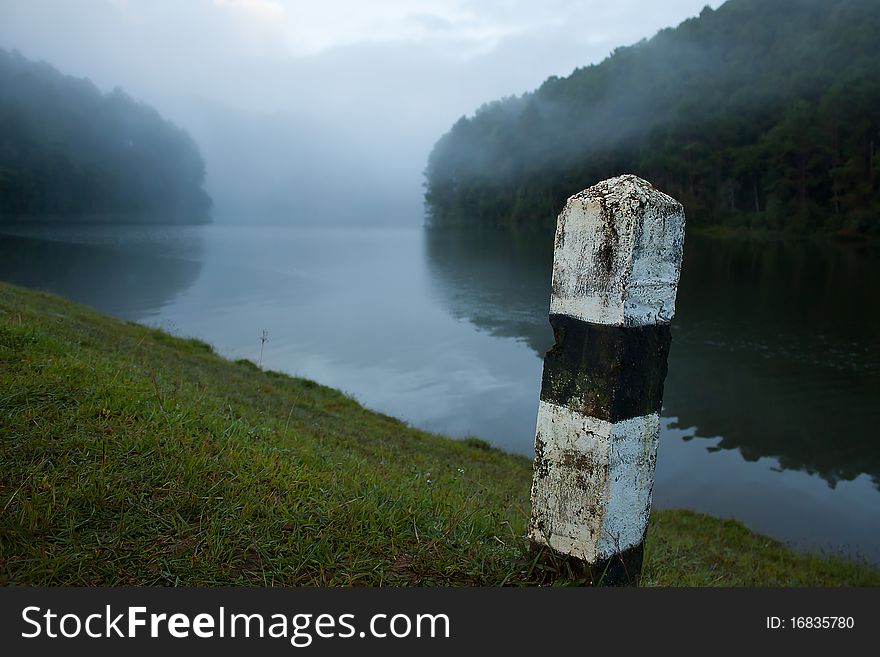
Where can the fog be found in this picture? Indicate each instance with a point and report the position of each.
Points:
(317, 113)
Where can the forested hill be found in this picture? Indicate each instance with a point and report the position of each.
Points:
(69, 151)
(758, 114)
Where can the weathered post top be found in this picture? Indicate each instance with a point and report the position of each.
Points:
(616, 267)
(618, 254)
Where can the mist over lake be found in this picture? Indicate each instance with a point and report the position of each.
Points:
(446, 329)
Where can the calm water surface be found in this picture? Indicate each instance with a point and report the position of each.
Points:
(771, 406)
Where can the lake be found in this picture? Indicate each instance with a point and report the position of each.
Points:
(771, 408)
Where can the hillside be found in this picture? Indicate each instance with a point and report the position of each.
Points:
(758, 115)
(128, 456)
(68, 151)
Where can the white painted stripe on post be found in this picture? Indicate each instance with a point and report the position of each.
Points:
(592, 496)
(618, 254)
(630, 484)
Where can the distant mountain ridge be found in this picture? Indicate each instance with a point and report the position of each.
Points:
(68, 151)
(758, 114)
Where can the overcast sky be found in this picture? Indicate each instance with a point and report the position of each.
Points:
(292, 100)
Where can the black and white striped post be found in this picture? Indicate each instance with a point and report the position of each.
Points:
(616, 266)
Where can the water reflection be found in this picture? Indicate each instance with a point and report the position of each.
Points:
(775, 345)
(130, 273)
(498, 281)
(774, 357)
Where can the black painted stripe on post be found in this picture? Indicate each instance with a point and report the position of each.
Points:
(610, 373)
(622, 569)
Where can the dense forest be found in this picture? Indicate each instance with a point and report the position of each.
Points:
(758, 115)
(69, 151)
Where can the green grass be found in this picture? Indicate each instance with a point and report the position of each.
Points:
(128, 456)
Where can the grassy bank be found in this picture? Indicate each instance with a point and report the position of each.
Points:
(128, 456)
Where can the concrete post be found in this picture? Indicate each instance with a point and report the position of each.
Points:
(616, 266)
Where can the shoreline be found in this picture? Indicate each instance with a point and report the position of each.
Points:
(136, 457)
